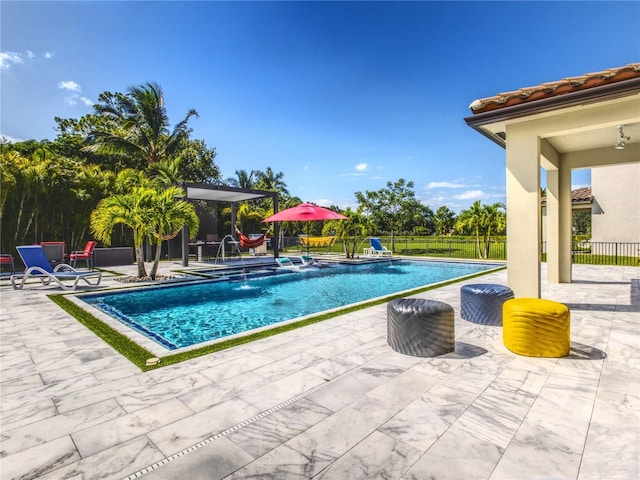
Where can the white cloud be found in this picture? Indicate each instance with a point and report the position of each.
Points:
(87, 101)
(445, 185)
(30, 54)
(323, 202)
(9, 58)
(8, 139)
(49, 54)
(361, 167)
(69, 85)
(470, 195)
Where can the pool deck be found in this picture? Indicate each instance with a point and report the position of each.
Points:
(328, 401)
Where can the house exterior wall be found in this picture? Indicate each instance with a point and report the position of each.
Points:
(615, 212)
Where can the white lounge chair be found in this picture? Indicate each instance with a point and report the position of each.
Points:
(376, 249)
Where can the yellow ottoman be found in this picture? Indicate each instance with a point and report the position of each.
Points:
(536, 328)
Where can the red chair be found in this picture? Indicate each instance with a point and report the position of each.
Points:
(6, 259)
(86, 255)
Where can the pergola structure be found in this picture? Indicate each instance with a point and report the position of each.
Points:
(201, 191)
(570, 124)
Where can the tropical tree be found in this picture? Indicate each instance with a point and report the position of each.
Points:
(168, 214)
(444, 220)
(483, 221)
(389, 207)
(243, 179)
(131, 209)
(271, 181)
(138, 127)
(350, 231)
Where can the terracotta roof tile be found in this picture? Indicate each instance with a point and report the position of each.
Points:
(552, 89)
(579, 195)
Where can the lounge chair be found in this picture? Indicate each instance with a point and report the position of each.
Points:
(376, 249)
(308, 260)
(86, 255)
(285, 262)
(38, 266)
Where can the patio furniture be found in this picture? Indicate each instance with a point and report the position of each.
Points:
(376, 249)
(86, 255)
(38, 266)
(535, 327)
(6, 259)
(421, 328)
(481, 303)
(54, 252)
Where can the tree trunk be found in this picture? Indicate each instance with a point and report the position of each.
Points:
(142, 271)
(156, 261)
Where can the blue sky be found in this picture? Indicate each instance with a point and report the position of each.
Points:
(339, 96)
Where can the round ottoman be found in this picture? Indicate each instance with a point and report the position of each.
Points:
(482, 302)
(536, 328)
(422, 328)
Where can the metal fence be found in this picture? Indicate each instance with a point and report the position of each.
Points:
(593, 253)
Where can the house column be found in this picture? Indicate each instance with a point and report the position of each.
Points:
(523, 211)
(559, 225)
(565, 233)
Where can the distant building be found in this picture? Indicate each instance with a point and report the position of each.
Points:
(615, 209)
(614, 202)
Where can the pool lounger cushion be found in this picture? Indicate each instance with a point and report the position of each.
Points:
(481, 303)
(536, 328)
(421, 328)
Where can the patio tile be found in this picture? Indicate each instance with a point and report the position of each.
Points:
(300, 458)
(377, 456)
(213, 461)
(39, 460)
(115, 463)
(21, 438)
(478, 412)
(186, 432)
(273, 430)
(120, 429)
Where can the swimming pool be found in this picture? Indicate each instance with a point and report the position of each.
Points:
(183, 315)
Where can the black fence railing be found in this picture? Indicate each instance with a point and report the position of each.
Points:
(603, 253)
(592, 253)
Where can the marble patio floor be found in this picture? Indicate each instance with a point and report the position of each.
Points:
(330, 401)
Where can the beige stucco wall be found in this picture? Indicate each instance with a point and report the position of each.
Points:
(616, 203)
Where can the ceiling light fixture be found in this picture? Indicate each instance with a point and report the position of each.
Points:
(621, 139)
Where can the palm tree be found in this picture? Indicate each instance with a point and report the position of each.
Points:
(131, 209)
(483, 221)
(140, 128)
(271, 181)
(349, 231)
(168, 215)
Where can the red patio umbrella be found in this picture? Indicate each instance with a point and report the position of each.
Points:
(305, 212)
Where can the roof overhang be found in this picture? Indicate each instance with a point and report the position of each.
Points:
(201, 191)
(492, 124)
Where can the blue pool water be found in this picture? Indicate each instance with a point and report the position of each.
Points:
(178, 316)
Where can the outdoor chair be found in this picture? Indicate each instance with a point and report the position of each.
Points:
(376, 249)
(86, 255)
(308, 260)
(285, 262)
(54, 251)
(6, 259)
(38, 266)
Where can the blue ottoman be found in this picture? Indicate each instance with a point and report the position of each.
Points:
(482, 303)
(421, 328)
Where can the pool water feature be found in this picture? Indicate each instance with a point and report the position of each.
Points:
(178, 316)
